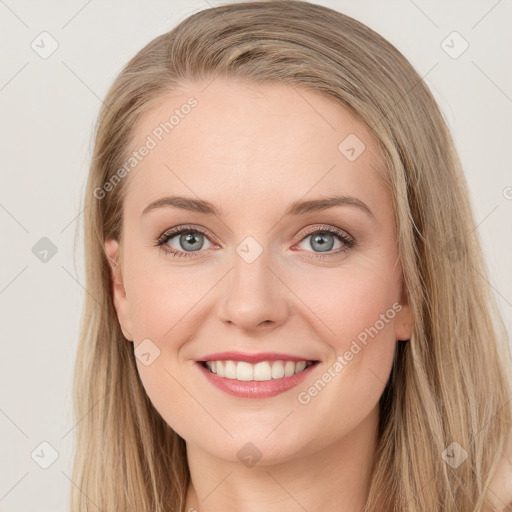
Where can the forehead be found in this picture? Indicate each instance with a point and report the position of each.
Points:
(257, 143)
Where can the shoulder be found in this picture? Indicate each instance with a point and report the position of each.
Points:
(501, 485)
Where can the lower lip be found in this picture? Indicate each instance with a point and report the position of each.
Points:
(255, 388)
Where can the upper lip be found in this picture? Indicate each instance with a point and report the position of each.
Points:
(252, 358)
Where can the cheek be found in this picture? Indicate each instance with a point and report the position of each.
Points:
(353, 303)
(161, 296)
(356, 310)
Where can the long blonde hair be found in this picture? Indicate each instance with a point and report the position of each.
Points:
(449, 382)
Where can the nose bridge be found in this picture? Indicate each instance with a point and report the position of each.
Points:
(253, 294)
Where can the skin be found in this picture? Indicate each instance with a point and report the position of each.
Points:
(501, 486)
(252, 150)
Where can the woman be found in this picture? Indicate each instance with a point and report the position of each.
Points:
(287, 305)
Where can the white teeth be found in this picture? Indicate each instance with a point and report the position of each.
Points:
(243, 371)
(289, 368)
(230, 370)
(262, 371)
(301, 365)
(265, 370)
(277, 371)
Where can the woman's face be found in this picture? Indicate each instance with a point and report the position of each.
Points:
(320, 284)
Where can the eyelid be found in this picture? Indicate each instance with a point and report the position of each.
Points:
(324, 227)
(169, 233)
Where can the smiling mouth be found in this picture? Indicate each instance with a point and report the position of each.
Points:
(262, 371)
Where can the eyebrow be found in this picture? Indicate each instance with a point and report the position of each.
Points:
(296, 208)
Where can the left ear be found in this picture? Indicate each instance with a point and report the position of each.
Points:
(404, 323)
(119, 297)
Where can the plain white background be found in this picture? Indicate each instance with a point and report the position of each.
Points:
(49, 106)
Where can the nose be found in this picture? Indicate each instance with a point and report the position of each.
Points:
(254, 295)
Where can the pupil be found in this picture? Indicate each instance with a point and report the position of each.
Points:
(189, 237)
(323, 245)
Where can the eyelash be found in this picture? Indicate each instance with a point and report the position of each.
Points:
(348, 242)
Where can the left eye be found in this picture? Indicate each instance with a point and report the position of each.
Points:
(190, 239)
(324, 241)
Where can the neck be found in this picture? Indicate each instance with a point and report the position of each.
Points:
(338, 473)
